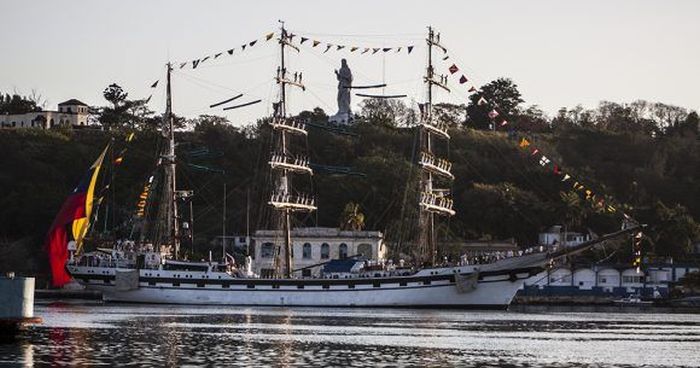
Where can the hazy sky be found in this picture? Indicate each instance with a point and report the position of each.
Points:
(560, 53)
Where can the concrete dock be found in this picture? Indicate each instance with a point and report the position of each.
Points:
(16, 305)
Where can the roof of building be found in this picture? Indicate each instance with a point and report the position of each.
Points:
(73, 102)
(339, 265)
(320, 232)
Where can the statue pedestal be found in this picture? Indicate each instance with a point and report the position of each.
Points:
(341, 118)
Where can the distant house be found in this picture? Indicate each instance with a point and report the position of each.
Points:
(557, 236)
(71, 113)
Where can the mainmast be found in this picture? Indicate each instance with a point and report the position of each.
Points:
(433, 200)
(170, 169)
(283, 161)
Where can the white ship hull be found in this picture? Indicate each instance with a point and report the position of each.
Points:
(438, 287)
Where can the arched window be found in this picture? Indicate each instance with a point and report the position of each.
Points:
(365, 250)
(325, 251)
(267, 250)
(306, 251)
(343, 251)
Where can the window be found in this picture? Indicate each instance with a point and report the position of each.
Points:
(306, 251)
(325, 251)
(343, 251)
(365, 250)
(632, 279)
(267, 250)
(602, 280)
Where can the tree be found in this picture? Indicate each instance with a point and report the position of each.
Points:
(387, 112)
(674, 231)
(531, 119)
(16, 104)
(134, 114)
(114, 94)
(502, 95)
(450, 114)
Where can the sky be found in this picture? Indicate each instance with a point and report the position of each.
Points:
(560, 53)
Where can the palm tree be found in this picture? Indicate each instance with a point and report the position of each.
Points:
(352, 218)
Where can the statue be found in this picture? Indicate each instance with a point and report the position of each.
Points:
(344, 76)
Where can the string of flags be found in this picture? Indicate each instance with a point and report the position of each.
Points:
(193, 64)
(353, 49)
(600, 202)
(493, 114)
(141, 204)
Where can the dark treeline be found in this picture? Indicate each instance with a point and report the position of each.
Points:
(645, 155)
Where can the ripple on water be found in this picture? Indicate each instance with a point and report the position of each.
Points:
(194, 336)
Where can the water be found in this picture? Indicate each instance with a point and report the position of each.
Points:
(145, 335)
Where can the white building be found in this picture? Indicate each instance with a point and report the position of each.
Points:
(71, 113)
(611, 279)
(556, 235)
(314, 245)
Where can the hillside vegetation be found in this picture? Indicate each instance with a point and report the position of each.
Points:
(647, 160)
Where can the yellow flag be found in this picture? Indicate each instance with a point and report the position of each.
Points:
(524, 143)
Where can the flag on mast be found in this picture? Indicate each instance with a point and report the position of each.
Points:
(72, 223)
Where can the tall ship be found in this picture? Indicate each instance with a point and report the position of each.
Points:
(150, 269)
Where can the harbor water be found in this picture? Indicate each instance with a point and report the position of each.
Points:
(149, 335)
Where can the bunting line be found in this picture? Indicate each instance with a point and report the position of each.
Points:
(352, 49)
(193, 64)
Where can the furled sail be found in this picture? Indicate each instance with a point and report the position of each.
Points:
(72, 223)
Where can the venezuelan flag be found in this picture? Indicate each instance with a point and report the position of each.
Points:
(72, 223)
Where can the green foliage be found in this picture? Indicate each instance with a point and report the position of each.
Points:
(644, 155)
(502, 94)
(16, 104)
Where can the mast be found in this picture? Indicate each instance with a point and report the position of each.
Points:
(283, 162)
(223, 229)
(171, 167)
(433, 201)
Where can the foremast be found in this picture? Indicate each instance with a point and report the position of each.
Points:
(284, 162)
(433, 200)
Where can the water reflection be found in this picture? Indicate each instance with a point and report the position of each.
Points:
(175, 336)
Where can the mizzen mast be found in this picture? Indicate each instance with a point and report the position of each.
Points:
(433, 200)
(284, 163)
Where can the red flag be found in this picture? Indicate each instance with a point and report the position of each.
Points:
(493, 114)
(472, 89)
(71, 223)
(453, 69)
(463, 79)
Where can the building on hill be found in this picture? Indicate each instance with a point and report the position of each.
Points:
(314, 246)
(71, 113)
(558, 236)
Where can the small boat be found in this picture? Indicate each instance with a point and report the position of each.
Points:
(632, 300)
